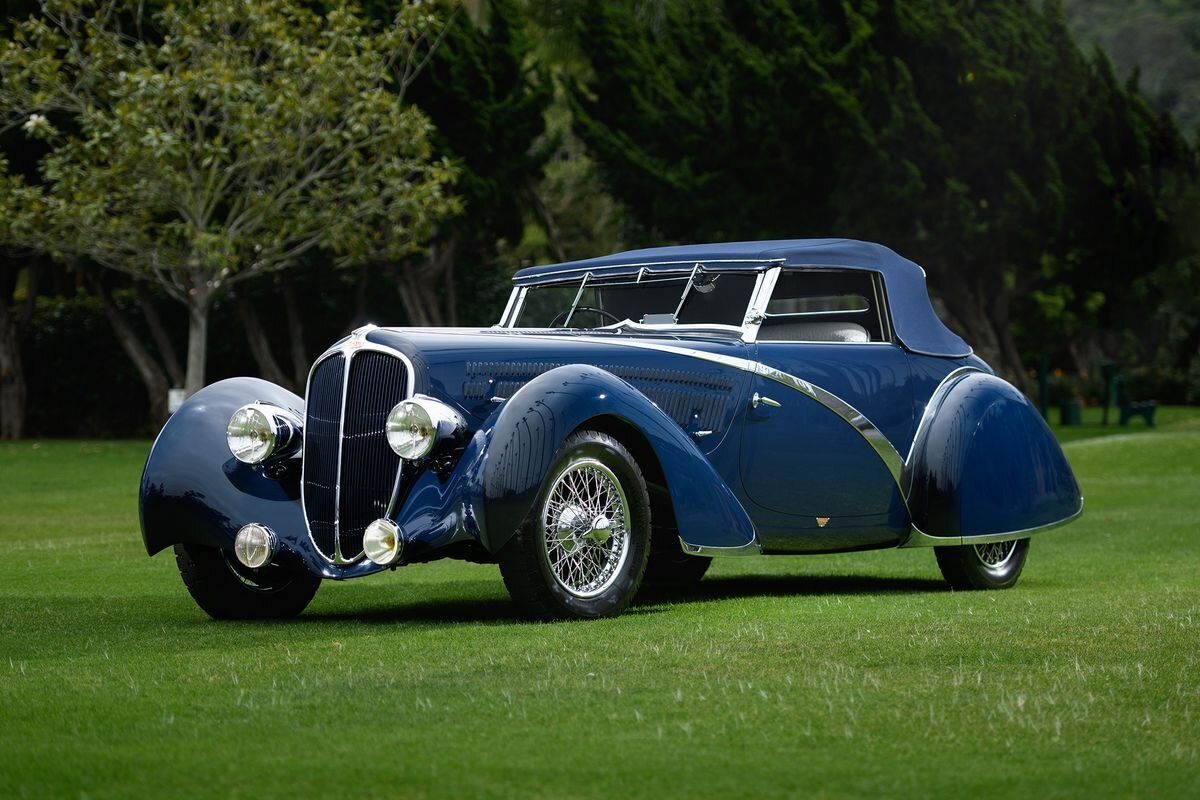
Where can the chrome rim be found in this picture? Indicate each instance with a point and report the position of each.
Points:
(585, 532)
(997, 554)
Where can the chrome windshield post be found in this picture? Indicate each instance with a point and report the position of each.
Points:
(575, 302)
(756, 311)
(509, 317)
(686, 291)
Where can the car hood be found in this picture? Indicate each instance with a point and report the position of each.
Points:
(472, 368)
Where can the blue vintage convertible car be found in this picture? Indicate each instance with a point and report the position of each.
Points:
(628, 419)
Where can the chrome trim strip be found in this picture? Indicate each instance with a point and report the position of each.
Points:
(832, 344)
(852, 416)
(575, 302)
(927, 414)
(337, 487)
(753, 548)
(756, 311)
(646, 265)
(687, 290)
(516, 296)
(856, 419)
(790, 314)
(918, 538)
(952, 375)
(885, 309)
(355, 344)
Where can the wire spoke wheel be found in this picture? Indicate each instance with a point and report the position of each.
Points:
(994, 565)
(584, 528)
(996, 554)
(581, 551)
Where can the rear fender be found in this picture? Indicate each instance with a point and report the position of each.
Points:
(984, 463)
(543, 413)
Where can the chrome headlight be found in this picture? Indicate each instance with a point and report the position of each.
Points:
(254, 545)
(258, 431)
(415, 425)
(383, 542)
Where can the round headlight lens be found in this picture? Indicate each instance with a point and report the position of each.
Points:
(251, 434)
(381, 542)
(254, 545)
(411, 430)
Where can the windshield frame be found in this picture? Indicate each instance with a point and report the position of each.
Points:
(748, 331)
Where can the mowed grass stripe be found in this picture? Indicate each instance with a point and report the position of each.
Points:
(827, 676)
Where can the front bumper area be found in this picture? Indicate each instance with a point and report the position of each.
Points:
(194, 491)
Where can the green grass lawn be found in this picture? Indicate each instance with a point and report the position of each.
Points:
(830, 676)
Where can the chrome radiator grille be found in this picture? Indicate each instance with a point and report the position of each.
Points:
(349, 470)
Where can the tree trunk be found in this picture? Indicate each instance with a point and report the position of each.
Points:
(416, 285)
(153, 377)
(360, 298)
(984, 327)
(295, 335)
(12, 375)
(1086, 351)
(1011, 366)
(159, 332)
(451, 318)
(197, 348)
(260, 346)
(420, 304)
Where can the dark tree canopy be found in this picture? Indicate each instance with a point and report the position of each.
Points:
(974, 137)
(487, 106)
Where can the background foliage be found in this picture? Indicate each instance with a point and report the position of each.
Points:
(1159, 39)
(1046, 185)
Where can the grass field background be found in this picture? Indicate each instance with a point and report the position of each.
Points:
(820, 676)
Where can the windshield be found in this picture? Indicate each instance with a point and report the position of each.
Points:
(698, 298)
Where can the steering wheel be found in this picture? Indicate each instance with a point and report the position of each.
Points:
(563, 315)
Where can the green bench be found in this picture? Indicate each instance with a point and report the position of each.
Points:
(1134, 408)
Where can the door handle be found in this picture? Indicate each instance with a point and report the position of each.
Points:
(766, 401)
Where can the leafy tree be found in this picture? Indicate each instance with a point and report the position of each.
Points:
(228, 142)
(1157, 39)
(487, 104)
(973, 137)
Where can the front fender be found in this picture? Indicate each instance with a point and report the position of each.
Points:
(984, 462)
(538, 417)
(194, 491)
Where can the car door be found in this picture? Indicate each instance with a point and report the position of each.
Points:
(803, 449)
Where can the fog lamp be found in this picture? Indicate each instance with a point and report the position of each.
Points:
(254, 545)
(258, 431)
(382, 542)
(414, 426)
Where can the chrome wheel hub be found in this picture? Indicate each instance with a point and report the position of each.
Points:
(574, 528)
(996, 554)
(583, 521)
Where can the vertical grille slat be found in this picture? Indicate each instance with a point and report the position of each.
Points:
(322, 430)
(368, 466)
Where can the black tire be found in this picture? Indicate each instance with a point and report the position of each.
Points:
(973, 567)
(226, 589)
(538, 589)
(671, 568)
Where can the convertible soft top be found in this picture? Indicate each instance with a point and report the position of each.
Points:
(916, 324)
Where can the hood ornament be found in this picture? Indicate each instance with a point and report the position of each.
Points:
(358, 338)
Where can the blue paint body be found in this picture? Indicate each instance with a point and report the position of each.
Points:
(956, 456)
(985, 462)
(546, 410)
